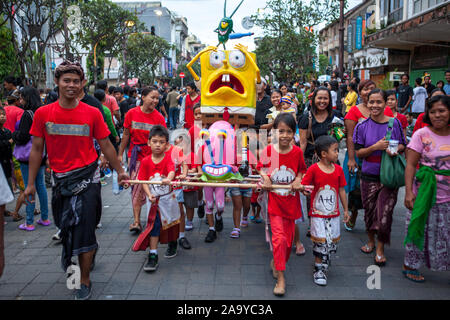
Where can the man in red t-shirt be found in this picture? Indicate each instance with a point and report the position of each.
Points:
(191, 99)
(67, 128)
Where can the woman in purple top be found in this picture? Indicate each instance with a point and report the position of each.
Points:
(378, 200)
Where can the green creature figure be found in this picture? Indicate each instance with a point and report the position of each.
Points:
(225, 28)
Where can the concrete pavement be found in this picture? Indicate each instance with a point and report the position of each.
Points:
(223, 270)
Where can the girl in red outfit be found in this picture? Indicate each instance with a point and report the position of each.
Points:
(282, 163)
(137, 125)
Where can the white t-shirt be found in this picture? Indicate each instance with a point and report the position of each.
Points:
(419, 97)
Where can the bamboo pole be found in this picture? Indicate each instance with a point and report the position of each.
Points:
(210, 184)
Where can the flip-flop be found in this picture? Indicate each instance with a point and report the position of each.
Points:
(24, 226)
(368, 250)
(259, 220)
(43, 223)
(252, 218)
(414, 273)
(18, 218)
(136, 229)
(300, 251)
(379, 263)
(347, 227)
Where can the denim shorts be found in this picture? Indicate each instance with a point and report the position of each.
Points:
(245, 192)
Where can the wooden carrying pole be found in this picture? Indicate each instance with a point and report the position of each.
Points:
(210, 184)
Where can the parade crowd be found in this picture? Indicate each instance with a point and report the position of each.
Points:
(70, 140)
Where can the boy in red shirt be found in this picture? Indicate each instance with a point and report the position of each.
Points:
(68, 127)
(328, 180)
(164, 216)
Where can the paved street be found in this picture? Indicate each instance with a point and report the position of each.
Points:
(226, 269)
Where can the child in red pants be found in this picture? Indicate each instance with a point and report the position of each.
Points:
(283, 163)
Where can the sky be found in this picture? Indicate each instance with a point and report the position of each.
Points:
(203, 17)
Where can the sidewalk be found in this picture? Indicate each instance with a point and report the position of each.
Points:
(226, 269)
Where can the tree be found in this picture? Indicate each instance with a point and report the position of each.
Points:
(141, 63)
(36, 22)
(323, 64)
(104, 27)
(187, 75)
(288, 46)
(8, 59)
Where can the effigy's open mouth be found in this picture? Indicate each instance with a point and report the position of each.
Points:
(227, 80)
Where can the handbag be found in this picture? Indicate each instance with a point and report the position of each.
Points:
(392, 170)
(22, 152)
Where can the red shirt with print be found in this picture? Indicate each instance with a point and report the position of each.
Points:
(283, 169)
(189, 111)
(69, 134)
(13, 115)
(149, 169)
(325, 196)
(139, 124)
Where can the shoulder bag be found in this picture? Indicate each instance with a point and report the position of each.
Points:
(392, 170)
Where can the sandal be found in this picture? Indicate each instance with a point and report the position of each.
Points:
(416, 273)
(378, 262)
(235, 233)
(244, 223)
(258, 220)
(252, 218)
(348, 226)
(135, 227)
(17, 218)
(44, 222)
(26, 227)
(300, 250)
(367, 249)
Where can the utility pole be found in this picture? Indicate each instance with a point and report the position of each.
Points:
(341, 40)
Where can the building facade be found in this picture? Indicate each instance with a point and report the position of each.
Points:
(386, 38)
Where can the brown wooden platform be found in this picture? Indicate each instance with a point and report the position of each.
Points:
(242, 119)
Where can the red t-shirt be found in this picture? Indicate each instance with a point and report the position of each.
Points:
(111, 104)
(13, 115)
(325, 196)
(189, 111)
(402, 119)
(283, 169)
(69, 134)
(355, 114)
(149, 169)
(419, 122)
(139, 124)
(196, 141)
(178, 158)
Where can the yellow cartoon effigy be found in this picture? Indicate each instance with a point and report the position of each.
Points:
(229, 78)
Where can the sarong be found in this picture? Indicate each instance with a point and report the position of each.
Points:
(379, 203)
(436, 253)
